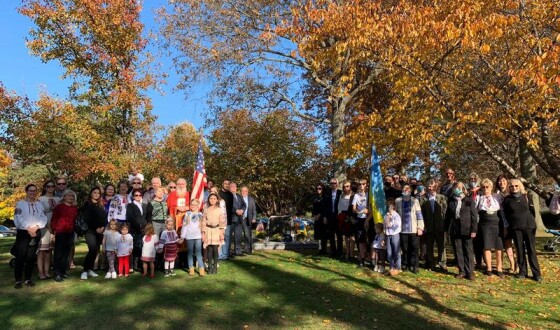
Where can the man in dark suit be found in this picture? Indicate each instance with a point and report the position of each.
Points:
(249, 218)
(237, 210)
(330, 212)
(434, 206)
(226, 195)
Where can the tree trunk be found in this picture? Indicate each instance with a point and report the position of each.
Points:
(529, 172)
(338, 126)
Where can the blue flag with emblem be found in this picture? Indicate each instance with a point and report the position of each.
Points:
(378, 207)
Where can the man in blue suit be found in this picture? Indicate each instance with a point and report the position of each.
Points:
(237, 210)
(249, 218)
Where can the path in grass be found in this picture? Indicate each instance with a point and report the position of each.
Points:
(282, 290)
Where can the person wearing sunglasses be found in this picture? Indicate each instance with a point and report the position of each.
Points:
(318, 227)
(329, 214)
(489, 227)
(447, 187)
(60, 188)
(412, 227)
(136, 218)
(518, 211)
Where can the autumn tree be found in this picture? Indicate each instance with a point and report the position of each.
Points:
(272, 153)
(101, 47)
(485, 71)
(175, 156)
(253, 57)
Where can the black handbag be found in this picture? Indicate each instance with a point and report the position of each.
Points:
(81, 226)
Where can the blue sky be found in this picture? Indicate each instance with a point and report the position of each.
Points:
(26, 74)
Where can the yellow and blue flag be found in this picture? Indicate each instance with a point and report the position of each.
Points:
(378, 207)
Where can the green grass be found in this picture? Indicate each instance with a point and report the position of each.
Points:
(281, 290)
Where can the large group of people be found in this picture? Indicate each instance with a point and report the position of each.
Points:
(478, 219)
(133, 226)
(130, 227)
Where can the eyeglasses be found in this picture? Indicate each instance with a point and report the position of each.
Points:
(137, 195)
(173, 187)
(50, 186)
(32, 190)
(136, 183)
(334, 183)
(319, 188)
(61, 184)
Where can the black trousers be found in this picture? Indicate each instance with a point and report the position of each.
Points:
(478, 244)
(93, 241)
(248, 235)
(464, 254)
(329, 236)
(409, 246)
(62, 246)
(25, 255)
(237, 230)
(439, 239)
(524, 239)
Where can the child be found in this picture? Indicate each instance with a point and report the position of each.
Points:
(392, 222)
(124, 250)
(169, 240)
(192, 232)
(150, 241)
(110, 237)
(379, 249)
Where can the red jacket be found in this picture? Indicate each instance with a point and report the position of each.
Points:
(63, 218)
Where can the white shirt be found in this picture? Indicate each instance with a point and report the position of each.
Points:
(360, 202)
(490, 203)
(117, 208)
(191, 226)
(29, 214)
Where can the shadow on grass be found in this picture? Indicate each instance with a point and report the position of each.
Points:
(425, 299)
(250, 291)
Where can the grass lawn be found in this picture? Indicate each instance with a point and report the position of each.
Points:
(282, 290)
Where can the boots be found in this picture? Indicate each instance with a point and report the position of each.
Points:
(200, 271)
(191, 271)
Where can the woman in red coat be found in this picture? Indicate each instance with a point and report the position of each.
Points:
(62, 224)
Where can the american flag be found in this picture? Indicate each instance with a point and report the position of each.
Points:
(199, 180)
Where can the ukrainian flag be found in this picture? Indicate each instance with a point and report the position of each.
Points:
(378, 208)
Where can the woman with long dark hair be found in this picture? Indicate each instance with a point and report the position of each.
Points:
(96, 219)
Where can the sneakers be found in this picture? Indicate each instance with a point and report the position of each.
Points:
(91, 273)
(84, 276)
(108, 275)
(376, 268)
(167, 273)
(381, 270)
(29, 283)
(18, 285)
(172, 272)
(114, 275)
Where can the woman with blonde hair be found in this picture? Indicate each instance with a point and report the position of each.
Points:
(489, 223)
(517, 211)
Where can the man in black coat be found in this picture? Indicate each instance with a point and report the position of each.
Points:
(249, 218)
(329, 215)
(238, 209)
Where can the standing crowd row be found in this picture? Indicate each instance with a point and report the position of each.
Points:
(131, 228)
(477, 219)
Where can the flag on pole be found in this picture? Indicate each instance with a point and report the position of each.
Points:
(199, 180)
(378, 207)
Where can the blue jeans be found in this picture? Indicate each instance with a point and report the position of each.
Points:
(224, 250)
(192, 246)
(393, 255)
